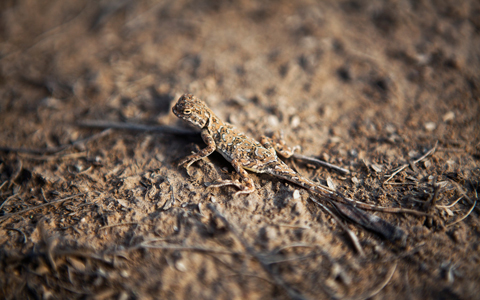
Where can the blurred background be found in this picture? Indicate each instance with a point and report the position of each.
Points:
(367, 85)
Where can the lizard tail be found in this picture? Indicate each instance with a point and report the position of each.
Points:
(346, 207)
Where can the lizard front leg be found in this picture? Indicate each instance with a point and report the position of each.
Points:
(211, 146)
(246, 187)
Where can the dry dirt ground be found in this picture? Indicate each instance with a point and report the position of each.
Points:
(369, 86)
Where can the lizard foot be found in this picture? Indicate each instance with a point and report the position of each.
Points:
(244, 189)
(187, 162)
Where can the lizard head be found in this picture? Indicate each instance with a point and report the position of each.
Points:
(193, 110)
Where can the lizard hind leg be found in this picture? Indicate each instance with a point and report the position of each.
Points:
(277, 144)
(246, 187)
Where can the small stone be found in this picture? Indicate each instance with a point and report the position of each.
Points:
(430, 126)
(295, 122)
(377, 168)
(296, 194)
(413, 153)
(449, 211)
(273, 121)
(449, 116)
(427, 163)
(124, 274)
(390, 128)
(330, 183)
(180, 266)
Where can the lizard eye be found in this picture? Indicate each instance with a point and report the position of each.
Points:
(187, 111)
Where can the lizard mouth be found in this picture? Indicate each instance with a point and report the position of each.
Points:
(176, 111)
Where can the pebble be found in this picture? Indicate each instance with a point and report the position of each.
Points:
(430, 126)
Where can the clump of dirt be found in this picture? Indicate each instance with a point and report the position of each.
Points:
(388, 90)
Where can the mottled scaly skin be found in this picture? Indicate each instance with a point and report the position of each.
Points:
(242, 151)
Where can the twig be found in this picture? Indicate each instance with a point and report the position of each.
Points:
(5, 217)
(339, 198)
(431, 151)
(3, 184)
(351, 235)
(460, 189)
(187, 248)
(451, 205)
(462, 218)
(8, 199)
(320, 162)
(401, 168)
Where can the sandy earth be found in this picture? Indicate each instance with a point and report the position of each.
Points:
(369, 86)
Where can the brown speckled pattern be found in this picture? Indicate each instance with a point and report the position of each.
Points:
(242, 151)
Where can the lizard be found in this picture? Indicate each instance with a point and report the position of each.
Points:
(245, 153)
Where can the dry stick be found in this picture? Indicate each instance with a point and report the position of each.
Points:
(277, 278)
(186, 248)
(401, 168)
(462, 218)
(450, 205)
(460, 189)
(8, 199)
(321, 163)
(336, 197)
(56, 149)
(351, 235)
(333, 196)
(3, 184)
(5, 217)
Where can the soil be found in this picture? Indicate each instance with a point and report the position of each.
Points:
(370, 86)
